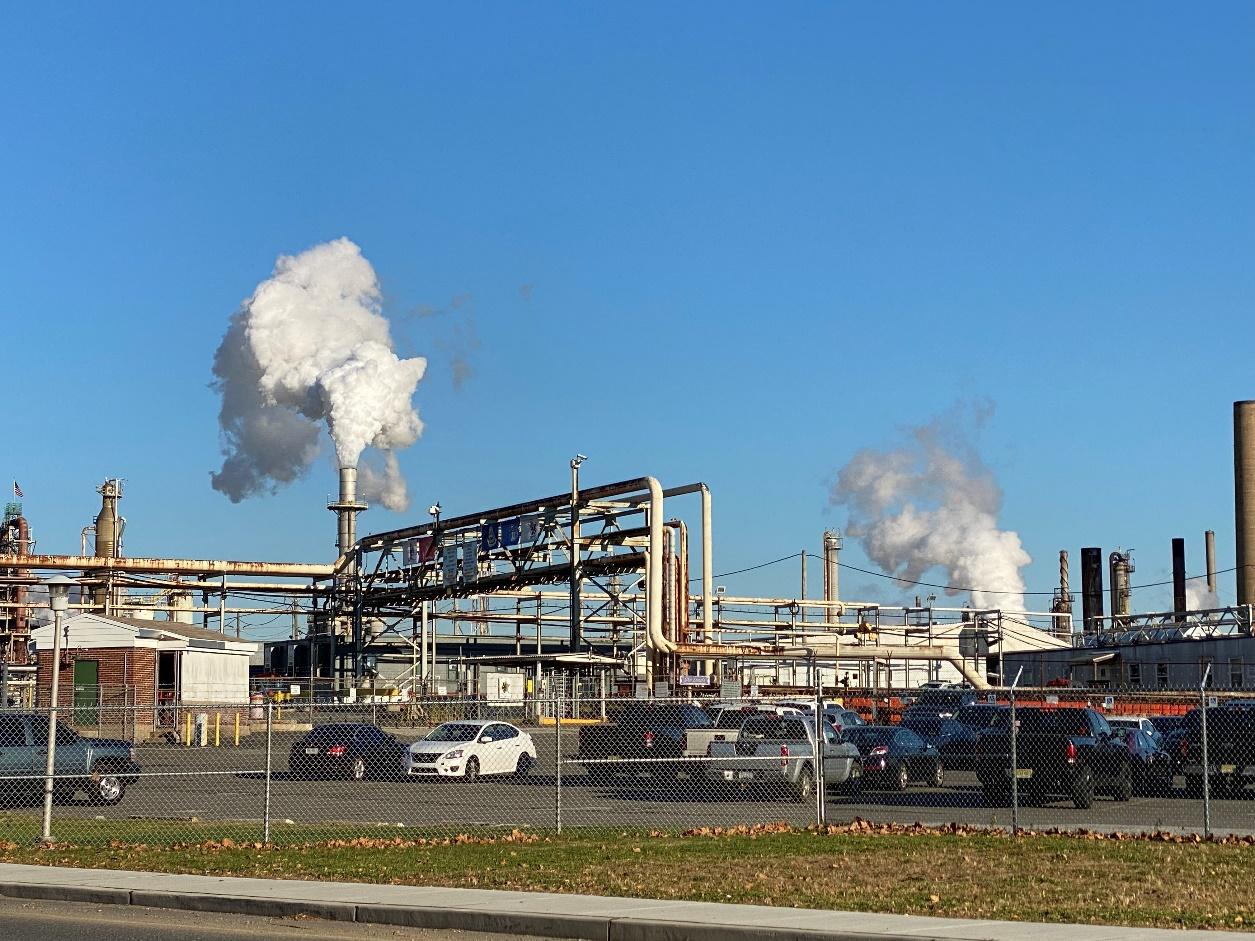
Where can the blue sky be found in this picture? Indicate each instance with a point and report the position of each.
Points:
(730, 242)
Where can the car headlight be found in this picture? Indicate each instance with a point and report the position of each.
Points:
(456, 753)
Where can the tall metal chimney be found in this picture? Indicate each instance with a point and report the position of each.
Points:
(108, 533)
(1209, 540)
(346, 510)
(1120, 565)
(1244, 491)
(1063, 601)
(832, 553)
(1091, 589)
(1179, 603)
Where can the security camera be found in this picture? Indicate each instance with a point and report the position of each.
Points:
(434, 509)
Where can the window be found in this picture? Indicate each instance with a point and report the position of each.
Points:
(1235, 671)
(1135, 674)
(1161, 674)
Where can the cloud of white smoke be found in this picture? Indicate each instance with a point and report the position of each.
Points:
(310, 346)
(1198, 597)
(923, 505)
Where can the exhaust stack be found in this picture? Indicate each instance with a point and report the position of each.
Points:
(1179, 602)
(832, 572)
(346, 510)
(1091, 590)
(1209, 541)
(1244, 492)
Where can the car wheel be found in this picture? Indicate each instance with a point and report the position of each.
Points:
(1122, 790)
(901, 779)
(358, 771)
(939, 775)
(107, 788)
(804, 787)
(471, 773)
(1083, 790)
(523, 765)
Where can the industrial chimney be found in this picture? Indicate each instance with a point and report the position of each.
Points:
(1244, 491)
(1091, 590)
(346, 510)
(1121, 564)
(109, 530)
(1179, 601)
(832, 552)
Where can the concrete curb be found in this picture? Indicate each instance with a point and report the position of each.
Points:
(525, 914)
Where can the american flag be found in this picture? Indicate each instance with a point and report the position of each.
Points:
(17, 491)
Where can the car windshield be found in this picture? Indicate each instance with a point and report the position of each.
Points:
(454, 732)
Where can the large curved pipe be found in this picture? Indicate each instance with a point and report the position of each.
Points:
(653, 578)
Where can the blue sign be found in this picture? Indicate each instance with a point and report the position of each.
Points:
(510, 532)
(490, 535)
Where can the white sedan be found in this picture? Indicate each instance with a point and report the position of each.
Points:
(468, 750)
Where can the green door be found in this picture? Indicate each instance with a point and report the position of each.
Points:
(86, 692)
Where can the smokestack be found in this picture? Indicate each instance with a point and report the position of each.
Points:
(1209, 540)
(1091, 589)
(108, 531)
(1063, 603)
(346, 510)
(1244, 491)
(1179, 604)
(832, 552)
(1120, 567)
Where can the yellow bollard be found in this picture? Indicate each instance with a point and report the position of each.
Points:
(237, 730)
(187, 724)
(217, 729)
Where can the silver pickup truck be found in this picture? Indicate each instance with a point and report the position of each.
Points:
(777, 752)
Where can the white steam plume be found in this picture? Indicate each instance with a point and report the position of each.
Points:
(921, 506)
(1198, 597)
(383, 484)
(309, 346)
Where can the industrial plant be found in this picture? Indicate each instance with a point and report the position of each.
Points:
(597, 582)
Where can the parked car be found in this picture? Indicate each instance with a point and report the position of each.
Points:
(777, 752)
(957, 743)
(1065, 752)
(471, 750)
(1151, 765)
(352, 750)
(835, 713)
(1122, 723)
(1230, 751)
(1165, 726)
(940, 703)
(660, 741)
(103, 768)
(895, 757)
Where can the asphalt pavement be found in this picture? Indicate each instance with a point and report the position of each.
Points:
(516, 913)
(31, 920)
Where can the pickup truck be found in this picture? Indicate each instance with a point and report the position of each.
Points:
(1066, 752)
(1230, 751)
(648, 739)
(777, 752)
(103, 768)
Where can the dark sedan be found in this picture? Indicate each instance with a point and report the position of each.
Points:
(1151, 766)
(895, 757)
(347, 750)
(955, 738)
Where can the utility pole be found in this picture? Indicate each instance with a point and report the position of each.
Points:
(576, 573)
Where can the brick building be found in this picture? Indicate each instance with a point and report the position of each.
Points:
(140, 672)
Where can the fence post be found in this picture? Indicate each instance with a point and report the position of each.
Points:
(820, 752)
(266, 808)
(1202, 707)
(557, 764)
(1015, 762)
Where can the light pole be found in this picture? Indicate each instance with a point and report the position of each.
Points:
(59, 601)
(576, 574)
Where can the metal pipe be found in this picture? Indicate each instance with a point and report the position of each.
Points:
(832, 551)
(576, 601)
(1244, 493)
(653, 579)
(181, 566)
(53, 696)
(1209, 541)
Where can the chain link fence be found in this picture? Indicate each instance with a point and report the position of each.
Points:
(439, 768)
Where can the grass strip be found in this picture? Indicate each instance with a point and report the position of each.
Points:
(1086, 878)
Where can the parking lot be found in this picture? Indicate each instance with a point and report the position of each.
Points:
(180, 784)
